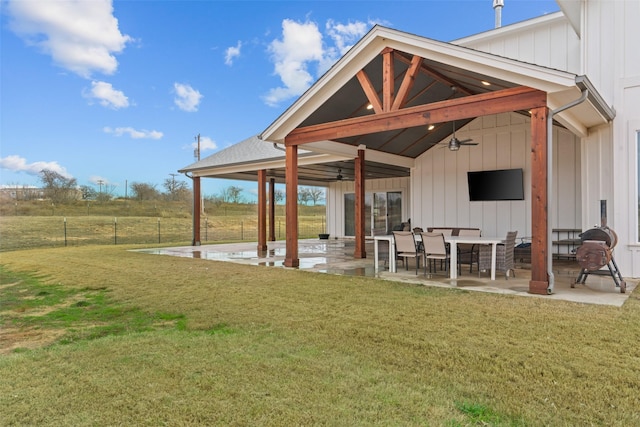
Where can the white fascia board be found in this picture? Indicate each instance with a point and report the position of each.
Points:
(522, 73)
(350, 152)
(313, 159)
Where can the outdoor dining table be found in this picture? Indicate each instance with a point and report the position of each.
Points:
(453, 242)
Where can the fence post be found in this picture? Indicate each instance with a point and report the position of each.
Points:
(206, 229)
(115, 230)
(158, 230)
(241, 230)
(65, 231)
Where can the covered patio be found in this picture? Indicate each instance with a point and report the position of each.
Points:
(392, 98)
(335, 256)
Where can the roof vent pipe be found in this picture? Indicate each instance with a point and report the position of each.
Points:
(497, 6)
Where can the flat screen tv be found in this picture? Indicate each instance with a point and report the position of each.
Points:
(504, 184)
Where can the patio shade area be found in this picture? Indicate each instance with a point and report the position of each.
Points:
(335, 256)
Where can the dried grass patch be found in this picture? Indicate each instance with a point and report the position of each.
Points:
(270, 346)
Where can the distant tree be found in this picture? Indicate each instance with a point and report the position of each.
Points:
(176, 190)
(304, 195)
(278, 195)
(316, 194)
(88, 193)
(214, 200)
(144, 191)
(232, 194)
(58, 188)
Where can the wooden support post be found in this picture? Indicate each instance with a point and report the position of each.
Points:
(360, 251)
(539, 202)
(272, 209)
(197, 197)
(262, 210)
(291, 177)
(388, 79)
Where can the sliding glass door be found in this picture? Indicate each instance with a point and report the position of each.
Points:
(383, 210)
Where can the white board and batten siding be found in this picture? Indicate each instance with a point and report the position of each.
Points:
(611, 30)
(603, 47)
(549, 41)
(439, 185)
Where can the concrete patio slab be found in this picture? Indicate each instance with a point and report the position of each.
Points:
(335, 256)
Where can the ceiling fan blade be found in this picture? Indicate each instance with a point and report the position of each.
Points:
(464, 141)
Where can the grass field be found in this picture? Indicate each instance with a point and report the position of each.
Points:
(113, 337)
(36, 224)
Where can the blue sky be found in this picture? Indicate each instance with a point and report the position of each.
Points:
(116, 91)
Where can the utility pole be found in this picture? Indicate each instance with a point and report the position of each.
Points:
(173, 185)
(173, 179)
(100, 182)
(197, 150)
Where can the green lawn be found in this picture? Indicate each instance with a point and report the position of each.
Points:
(112, 337)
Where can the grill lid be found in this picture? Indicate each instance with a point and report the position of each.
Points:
(603, 234)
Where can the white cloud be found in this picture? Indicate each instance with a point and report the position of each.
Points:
(206, 144)
(107, 95)
(344, 36)
(301, 46)
(231, 53)
(19, 164)
(134, 133)
(81, 36)
(187, 98)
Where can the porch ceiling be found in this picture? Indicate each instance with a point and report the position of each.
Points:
(434, 82)
(322, 174)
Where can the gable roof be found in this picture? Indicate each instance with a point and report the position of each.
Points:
(339, 95)
(243, 160)
(445, 72)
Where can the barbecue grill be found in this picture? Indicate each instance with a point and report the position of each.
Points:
(596, 252)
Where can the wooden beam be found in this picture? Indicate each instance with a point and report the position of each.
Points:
(262, 210)
(539, 202)
(291, 177)
(388, 80)
(407, 83)
(197, 207)
(369, 91)
(272, 209)
(502, 101)
(442, 79)
(360, 251)
(437, 76)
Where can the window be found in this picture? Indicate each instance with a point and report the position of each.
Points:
(382, 212)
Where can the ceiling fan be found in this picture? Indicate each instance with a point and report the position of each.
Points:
(454, 144)
(341, 177)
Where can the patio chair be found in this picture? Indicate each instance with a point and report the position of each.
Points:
(504, 256)
(435, 249)
(469, 253)
(406, 247)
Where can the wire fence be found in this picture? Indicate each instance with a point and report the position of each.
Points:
(41, 232)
